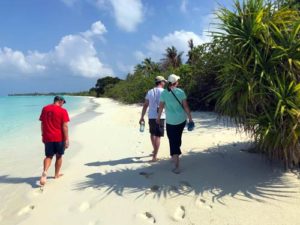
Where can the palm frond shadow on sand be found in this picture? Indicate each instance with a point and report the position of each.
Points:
(221, 171)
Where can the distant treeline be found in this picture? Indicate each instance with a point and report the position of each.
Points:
(81, 93)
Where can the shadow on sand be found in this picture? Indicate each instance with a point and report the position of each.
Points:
(32, 181)
(222, 171)
(129, 160)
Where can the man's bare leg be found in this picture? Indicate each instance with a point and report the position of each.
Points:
(152, 138)
(156, 144)
(156, 148)
(58, 164)
(47, 163)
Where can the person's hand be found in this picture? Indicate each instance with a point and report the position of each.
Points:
(67, 144)
(190, 125)
(142, 120)
(158, 120)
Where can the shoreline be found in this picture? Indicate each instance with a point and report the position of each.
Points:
(109, 180)
(24, 185)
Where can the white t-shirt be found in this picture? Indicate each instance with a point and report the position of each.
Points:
(153, 97)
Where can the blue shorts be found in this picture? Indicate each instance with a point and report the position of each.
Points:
(54, 148)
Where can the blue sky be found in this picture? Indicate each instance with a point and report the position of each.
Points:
(66, 45)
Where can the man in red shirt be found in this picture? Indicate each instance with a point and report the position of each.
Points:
(54, 125)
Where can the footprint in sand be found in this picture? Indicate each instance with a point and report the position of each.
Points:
(185, 186)
(148, 217)
(94, 222)
(84, 206)
(173, 188)
(154, 188)
(37, 191)
(88, 189)
(201, 203)
(179, 213)
(145, 174)
(136, 159)
(26, 210)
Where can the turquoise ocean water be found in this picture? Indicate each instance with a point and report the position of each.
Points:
(20, 114)
(21, 147)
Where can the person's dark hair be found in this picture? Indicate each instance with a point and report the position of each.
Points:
(158, 82)
(169, 85)
(59, 98)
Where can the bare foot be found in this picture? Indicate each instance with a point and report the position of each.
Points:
(43, 179)
(154, 160)
(58, 176)
(176, 170)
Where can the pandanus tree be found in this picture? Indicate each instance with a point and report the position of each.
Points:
(258, 87)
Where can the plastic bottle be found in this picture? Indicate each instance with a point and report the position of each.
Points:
(142, 126)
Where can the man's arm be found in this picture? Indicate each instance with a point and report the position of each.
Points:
(42, 131)
(145, 106)
(66, 134)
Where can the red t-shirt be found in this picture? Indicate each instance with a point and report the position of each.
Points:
(52, 118)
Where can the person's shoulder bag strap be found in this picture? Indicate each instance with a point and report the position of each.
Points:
(177, 100)
(155, 99)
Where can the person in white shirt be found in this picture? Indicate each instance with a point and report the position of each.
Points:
(152, 101)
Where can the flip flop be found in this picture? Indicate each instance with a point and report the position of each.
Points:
(190, 126)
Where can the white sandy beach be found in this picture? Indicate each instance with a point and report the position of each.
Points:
(108, 179)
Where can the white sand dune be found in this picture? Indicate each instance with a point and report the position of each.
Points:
(110, 179)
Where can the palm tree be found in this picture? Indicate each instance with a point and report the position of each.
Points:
(172, 58)
(259, 85)
(191, 52)
(147, 67)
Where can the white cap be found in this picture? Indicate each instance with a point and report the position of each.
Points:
(160, 79)
(173, 78)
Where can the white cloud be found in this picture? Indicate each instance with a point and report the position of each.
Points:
(179, 39)
(140, 56)
(78, 54)
(69, 3)
(183, 6)
(128, 13)
(155, 48)
(97, 29)
(12, 62)
(124, 68)
(74, 53)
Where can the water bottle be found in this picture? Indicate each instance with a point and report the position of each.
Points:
(142, 126)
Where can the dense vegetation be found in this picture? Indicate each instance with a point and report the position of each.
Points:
(259, 84)
(198, 76)
(250, 72)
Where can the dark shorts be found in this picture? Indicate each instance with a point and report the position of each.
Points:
(54, 148)
(155, 129)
